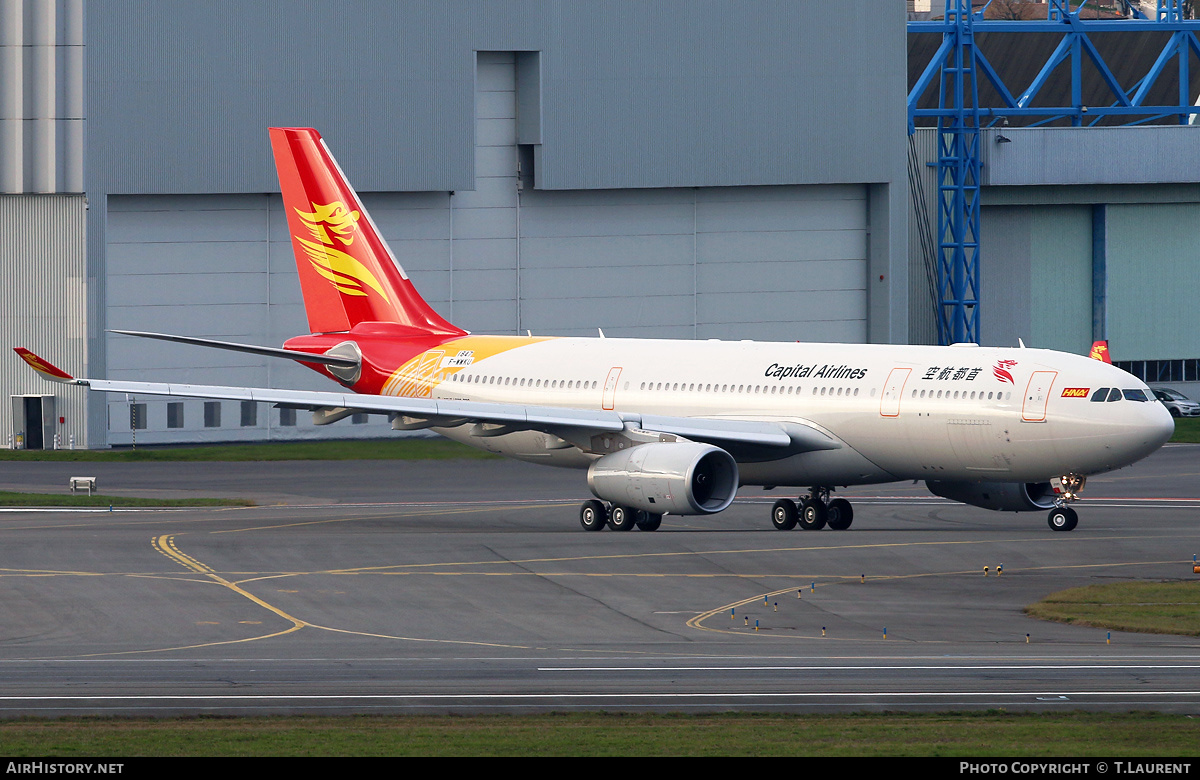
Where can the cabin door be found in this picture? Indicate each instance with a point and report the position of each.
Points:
(1037, 395)
(889, 405)
(610, 388)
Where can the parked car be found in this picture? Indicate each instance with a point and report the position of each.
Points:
(1178, 404)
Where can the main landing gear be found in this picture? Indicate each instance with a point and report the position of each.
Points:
(594, 515)
(813, 513)
(1066, 490)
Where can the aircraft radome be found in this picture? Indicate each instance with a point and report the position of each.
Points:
(673, 426)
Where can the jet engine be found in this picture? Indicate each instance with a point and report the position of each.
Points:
(1001, 496)
(679, 478)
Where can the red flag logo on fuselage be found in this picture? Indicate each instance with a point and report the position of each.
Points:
(1001, 372)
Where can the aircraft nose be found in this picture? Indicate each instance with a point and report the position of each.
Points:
(1161, 425)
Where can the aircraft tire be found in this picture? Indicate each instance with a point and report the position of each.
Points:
(813, 515)
(649, 521)
(623, 518)
(1063, 519)
(592, 515)
(840, 514)
(783, 514)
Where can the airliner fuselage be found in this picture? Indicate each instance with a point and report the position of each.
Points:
(906, 412)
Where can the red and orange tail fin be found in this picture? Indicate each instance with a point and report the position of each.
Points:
(1100, 351)
(347, 272)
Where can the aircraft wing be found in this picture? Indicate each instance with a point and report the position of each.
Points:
(434, 412)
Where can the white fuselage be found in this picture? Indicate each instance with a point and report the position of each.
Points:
(901, 412)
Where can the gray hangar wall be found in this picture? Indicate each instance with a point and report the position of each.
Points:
(1085, 233)
(672, 169)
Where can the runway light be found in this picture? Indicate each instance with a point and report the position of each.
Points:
(732, 616)
(1108, 641)
(985, 571)
(822, 630)
(755, 625)
(999, 570)
(885, 632)
(1027, 639)
(765, 601)
(814, 587)
(862, 578)
(799, 593)
(747, 620)
(776, 606)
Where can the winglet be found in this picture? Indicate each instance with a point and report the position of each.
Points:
(1100, 351)
(44, 367)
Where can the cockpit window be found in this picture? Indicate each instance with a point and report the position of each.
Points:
(1134, 395)
(1100, 395)
(1114, 395)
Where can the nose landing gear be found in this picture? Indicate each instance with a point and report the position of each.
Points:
(1066, 490)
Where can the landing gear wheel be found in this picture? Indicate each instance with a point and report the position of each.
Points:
(649, 521)
(592, 515)
(783, 514)
(813, 515)
(623, 518)
(840, 514)
(1063, 519)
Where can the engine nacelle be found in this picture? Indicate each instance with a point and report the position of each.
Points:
(1001, 496)
(680, 478)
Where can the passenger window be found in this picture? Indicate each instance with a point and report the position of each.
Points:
(1114, 395)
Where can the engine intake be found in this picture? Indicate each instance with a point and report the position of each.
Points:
(1001, 496)
(679, 478)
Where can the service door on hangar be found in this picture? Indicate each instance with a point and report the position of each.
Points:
(33, 421)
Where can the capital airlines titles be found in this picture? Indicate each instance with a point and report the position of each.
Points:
(824, 372)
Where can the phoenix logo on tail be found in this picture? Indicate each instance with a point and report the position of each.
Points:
(331, 217)
(347, 274)
(1100, 351)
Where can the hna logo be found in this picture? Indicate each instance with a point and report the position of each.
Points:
(329, 223)
(1075, 392)
(1000, 370)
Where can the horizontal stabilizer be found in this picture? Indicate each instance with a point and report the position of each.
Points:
(303, 357)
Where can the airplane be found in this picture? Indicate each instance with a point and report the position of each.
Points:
(677, 426)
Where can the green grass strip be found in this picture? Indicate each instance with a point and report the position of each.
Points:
(362, 449)
(76, 500)
(993, 733)
(1187, 430)
(1144, 607)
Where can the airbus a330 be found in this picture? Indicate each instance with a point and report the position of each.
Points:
(675, 426)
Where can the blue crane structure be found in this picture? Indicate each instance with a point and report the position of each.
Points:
(961, 68)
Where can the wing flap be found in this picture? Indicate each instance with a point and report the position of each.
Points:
(706, 429)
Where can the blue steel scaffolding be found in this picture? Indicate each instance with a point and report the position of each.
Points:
(959, 65)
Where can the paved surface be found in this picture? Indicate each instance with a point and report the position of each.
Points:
(469, 586)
